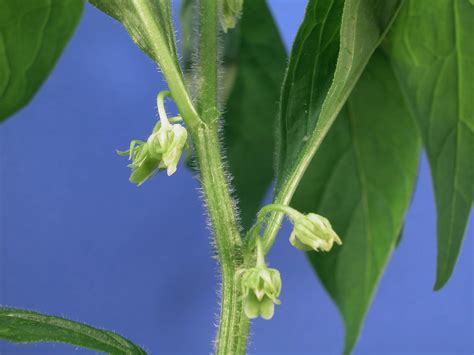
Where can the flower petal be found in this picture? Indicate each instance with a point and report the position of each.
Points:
(267, 308)
(251, 306)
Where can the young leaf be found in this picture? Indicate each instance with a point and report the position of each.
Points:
(313, 94)
(33, 33)
(362, 179)
(432, 50)
(251, 110)
(20, 326)
(254, 66)
(315, 89)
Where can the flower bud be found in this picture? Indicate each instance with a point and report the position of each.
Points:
(231, 11)
(261, 287)
(313, 232)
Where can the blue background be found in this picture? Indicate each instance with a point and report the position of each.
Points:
(78, 240)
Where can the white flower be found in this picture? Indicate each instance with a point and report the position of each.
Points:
(171, 140)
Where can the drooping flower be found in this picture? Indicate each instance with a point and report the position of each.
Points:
(313, 232)
(162, 150)
(261, 288)
(170, 140)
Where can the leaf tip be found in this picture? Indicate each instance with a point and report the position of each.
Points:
(349, 343)
(444, 269)
(352, 329)
(442, 279)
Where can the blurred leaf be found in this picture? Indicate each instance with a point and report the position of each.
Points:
(33, 34)
(20, 326)
(315, 88)
(362, 180)
(188, 38)
(250, 116)
(254, 66)
(431, 47)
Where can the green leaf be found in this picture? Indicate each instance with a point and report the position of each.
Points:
(362, 180)
(432, 50)
(254, 66)
(251, 112)
(20, 326)
(315, 88)
(332, 47)
(33, 34)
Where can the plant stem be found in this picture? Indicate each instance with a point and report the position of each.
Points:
(227, 238)
(243, 332)
(167, 60)
(233, 324)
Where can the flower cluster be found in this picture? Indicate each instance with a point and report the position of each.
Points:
(260, 285)
(162, 150)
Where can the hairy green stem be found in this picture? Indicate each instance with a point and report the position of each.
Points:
(168, 63)
(233, 324)
(242, 336)
(226, 235)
